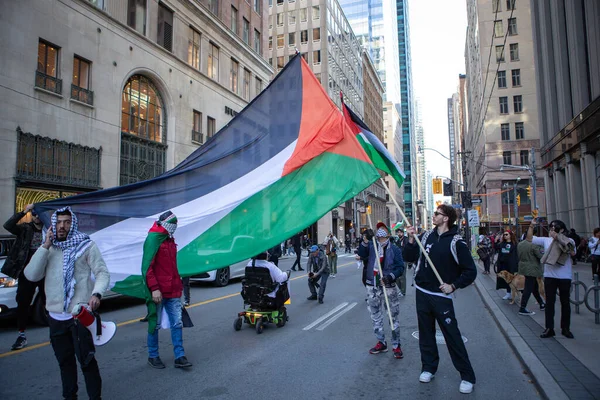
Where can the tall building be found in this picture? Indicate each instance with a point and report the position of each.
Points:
(501, 95)
(407, 107)
(98, 94)
(420, 170)
(455, 146)
(392, 138)
(429, 201)
(567, 55)
(320, 32)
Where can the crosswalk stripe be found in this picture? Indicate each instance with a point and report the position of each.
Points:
(344, 311)
(324, 317)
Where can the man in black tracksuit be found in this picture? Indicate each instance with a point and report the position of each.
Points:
(434, 301)
(297, 245)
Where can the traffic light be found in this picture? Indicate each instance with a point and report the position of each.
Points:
(529, 191)
(369, 210)
(448, 189)
(437, 186)
(518, 200)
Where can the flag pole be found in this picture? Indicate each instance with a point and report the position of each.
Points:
(415, 236)
(387, 302)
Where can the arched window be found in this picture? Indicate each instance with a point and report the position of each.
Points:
(143, 131)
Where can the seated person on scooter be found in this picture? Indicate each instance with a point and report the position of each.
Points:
(280, 295)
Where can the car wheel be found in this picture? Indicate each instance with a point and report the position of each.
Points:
(222, 277)
(38, 311)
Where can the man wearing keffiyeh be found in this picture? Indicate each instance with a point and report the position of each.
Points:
(392, 266)
(66, 260)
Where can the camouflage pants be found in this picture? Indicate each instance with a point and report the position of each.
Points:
(376, 306)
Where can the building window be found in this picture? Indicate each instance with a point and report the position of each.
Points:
(510, 4)
(213, 62)
(270, 3)
(292, 39)
(233, 77)
(506, 158)
(280, 19)
(303, 15)
(496, 7)
(257, 6)
(136, 18)
(46, 76)
(165, 28)
(213, 6)
(516, 77)
(316, 12)
(499, 53)
(257, 86)
(524, 157)
(143, 131)
(304, 36)
(280, 41)
(80, 88)
(234, 20)
(305, 56)
(501, 79)
(519, 130)
(317, 57)
(505, 131)
(498, 28)
(246, 32)
(518, 103)
(512, 26)
(194, 48)
(211, 127)
(279, 2)
(514, 52)
(292, 17)
(503, 105)
(270, 42)
(257, 42)
(316, 34)
(246, 87)
(197, 129)
(280, 62)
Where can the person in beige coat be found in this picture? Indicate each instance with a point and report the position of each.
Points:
(66, 260)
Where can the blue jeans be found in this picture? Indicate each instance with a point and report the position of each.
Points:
(173, 308)
(322, 281)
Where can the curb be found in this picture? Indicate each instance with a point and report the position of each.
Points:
(543, 381)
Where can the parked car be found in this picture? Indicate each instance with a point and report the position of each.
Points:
(222, 276)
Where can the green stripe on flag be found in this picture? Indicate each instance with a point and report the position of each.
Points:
(380, 161)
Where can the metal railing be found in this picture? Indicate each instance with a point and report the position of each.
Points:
(47, 82)
(197, 136)
(82, 95)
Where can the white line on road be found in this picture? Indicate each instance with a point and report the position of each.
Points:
(324, 317)
(326, 324)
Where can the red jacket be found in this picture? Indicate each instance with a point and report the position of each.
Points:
(162, 274)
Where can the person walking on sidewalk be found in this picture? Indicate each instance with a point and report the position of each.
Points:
(594, 247)
(392, 266)
(67, 260)
(318, 273)
(29, 239)
(558, 271)
(297, 245)
(331, 248)
(451, 256)
(159, 268)
(508, 259)
(530, 267)
(484, 250)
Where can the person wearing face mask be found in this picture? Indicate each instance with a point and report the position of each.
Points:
(29, 238)
(392, 266)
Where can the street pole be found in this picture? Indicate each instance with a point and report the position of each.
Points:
(534, 179)
(508, 198)
(516, 210)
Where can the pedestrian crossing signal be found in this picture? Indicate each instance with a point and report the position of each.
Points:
(437, 186)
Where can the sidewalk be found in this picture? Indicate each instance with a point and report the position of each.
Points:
(562, 368)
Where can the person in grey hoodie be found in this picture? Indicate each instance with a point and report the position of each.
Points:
(66, 260)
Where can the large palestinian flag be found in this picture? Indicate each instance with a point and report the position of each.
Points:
(282, 163)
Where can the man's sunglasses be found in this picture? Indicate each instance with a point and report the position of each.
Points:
(439, 213)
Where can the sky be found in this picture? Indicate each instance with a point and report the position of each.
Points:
(438, 29)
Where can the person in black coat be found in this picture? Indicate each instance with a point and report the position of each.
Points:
(508, 259)
(297, 245)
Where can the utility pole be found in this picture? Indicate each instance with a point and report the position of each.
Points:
(534, 179)
(516, 210)
(508, 199)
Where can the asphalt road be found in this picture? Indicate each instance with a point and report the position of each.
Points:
(303, 360)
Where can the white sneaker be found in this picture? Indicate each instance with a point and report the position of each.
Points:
(507, 296)
(465, 387)
(332, 275)
(426, 377)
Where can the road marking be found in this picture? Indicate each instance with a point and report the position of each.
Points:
(131, 321)
(324, 317)
(344, 311)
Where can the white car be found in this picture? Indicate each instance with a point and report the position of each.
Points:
(222, 276)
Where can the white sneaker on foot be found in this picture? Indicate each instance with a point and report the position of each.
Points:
(465, 387)
(426, 377)
(507, 296)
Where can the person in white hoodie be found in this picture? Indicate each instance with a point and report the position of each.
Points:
(594, 246)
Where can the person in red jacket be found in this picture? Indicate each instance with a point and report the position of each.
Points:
(165, 285)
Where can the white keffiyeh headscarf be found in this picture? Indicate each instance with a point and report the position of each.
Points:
(168, 220)
(72, 247)
(381, 232)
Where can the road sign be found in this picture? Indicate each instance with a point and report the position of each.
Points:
(473, 217)
(456, 205)
(476, 201)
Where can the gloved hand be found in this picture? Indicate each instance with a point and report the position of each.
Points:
(387, 280)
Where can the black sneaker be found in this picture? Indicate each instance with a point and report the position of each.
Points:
(567, 333)
(19, 343)
(156, 363)
(542, 306)
(379, 348)
(182, 362)
(313, 297)
(300, 269)
(524, 311)
(320, 301)
(548, 333)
